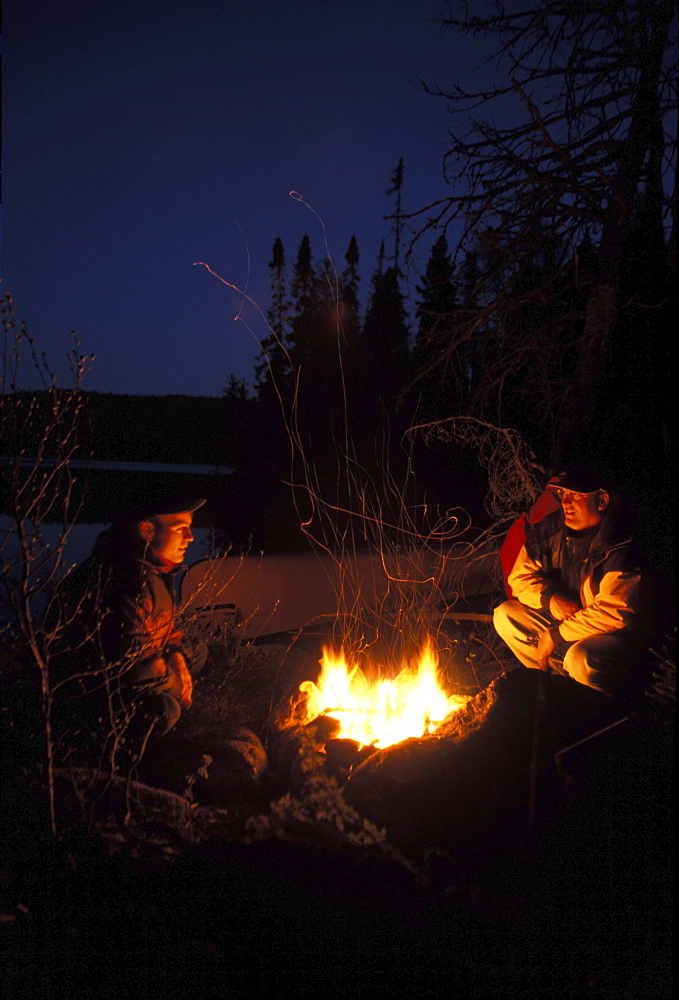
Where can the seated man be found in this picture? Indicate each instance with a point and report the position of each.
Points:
(577, 604)
(131, 660)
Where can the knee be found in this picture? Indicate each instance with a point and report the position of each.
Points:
(157, 712)
(501, 621)
(595, 668)
(167, 714)
(577, 667)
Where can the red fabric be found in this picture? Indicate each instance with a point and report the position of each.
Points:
(516, 536)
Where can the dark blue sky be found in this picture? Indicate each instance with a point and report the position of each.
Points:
(143, 136)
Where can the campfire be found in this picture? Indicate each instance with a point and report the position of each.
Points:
(378, 711)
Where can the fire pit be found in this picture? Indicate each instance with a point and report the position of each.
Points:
(375, 710)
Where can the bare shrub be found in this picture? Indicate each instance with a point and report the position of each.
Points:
(42, 431)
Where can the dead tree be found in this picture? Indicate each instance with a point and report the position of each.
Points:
(551, 161)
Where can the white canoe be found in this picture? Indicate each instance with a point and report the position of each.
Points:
(281, 592)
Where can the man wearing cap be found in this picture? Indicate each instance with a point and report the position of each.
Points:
(140, 665)
(576, 588)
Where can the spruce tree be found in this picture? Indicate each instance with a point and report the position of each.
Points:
(396, 186)
(383, 368)
(304, 289)
(386, 336)
(316, 343)
(272, 368)
(349, 301)
(435, 309)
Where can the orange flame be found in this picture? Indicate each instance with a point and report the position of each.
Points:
(380, 712)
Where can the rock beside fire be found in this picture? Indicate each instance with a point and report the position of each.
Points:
(466, 788)
(210, 765)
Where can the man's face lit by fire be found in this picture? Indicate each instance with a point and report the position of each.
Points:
(168, 536)
(582, 510)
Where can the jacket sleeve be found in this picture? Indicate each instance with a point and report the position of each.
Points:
(616, 606)
(126, 639)
(528, 582)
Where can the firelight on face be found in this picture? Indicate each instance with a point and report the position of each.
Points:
(582, 510)
(172, 537)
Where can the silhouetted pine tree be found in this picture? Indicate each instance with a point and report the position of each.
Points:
(470, 349)
(304, 289)
(438, 300)
(316, 338)
(539, 368)
(272, 369)
(383, 370)
(386, 337)
(396, 187)
(349, 307)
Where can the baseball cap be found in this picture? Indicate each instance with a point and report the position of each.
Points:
(172, 504)
(578, 481)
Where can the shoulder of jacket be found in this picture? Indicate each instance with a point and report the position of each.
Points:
(546, 528)
(614, 550)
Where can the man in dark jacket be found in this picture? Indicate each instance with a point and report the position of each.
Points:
(132, 661)
(578, 604)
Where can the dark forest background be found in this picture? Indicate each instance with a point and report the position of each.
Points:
(338, 389)
(541, 332)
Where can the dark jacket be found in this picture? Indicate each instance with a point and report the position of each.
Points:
(121, 613)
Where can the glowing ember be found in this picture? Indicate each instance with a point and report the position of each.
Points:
(380, 712)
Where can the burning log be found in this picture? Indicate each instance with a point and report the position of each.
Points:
(300, 751)
(288, 745)
(343, 755)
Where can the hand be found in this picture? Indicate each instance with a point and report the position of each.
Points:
(177, 664)
(562, 607)
(546, 647)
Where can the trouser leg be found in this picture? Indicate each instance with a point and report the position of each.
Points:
(153, 715)
(520, 626)
(601, 662)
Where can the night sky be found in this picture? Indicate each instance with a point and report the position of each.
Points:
(143, 136)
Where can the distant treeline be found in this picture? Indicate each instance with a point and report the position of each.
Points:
(121, 428)
(173, 428)
(110, 427)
